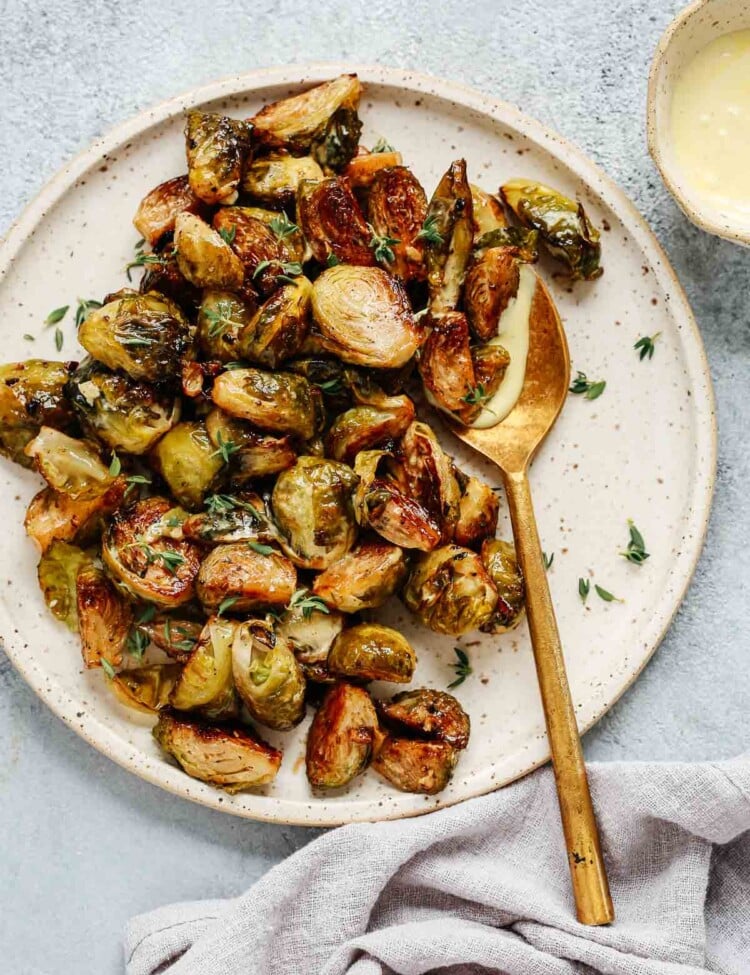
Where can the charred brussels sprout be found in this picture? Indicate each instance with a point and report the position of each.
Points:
(58, 570)
(176, 637)
(428, 713)
(364, 578)
(416, 766)
(313, 510)
(274, 180)
(341, 737)
(280, 325)
(370, 651)
(499, 558)
(267, 676)
(205, 682)
(31, 396)
(365, 427)
(366, 166)
(289, 238)
(450, 591)
(562, 224)
(158, 210)
(264, 256)
(189, 463)
(230, 758)
(333, 223)
(430, 477)
(491, 283)
(257, 454)
(69, 466)
(397, 208)
(478, 512)
(222, 319)
(104, 618)
(244, 579)
(216, 148)
(204, 257)
(280, 402)
(449, 234)
(145, 689)
(52, 516)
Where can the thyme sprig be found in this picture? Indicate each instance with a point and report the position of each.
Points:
(462, 667)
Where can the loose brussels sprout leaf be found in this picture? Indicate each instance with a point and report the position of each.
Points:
(364, 316)
(322, 121)
(274, 180)
(157, 211)
(51, 516)
(365, 427)
(416, 766)
(249, 578)
(58, 570)
(189, 463)
(429, 714)
(370, 651)
(492, 281)
(448, 245)
(311, 634)
(143, 335)
(230, 518)
(222, 319)
(69, 466)
(478, 511)
(257, 455)
(176, 637)
(341, 737)
(450, 591)
(104, 618)
(333, 223)
(487, 213)
(430, 477)
(562, 224)
(499, 557)
(280, 325)
(313, 510)
(146, 689)
(216, 149)
(365, 167)
(204, 257)
(122, 414)
(205, 682)
(264, 255)
(396, 209)
(280, 402)
(364, 578)
(230, 758)
(31, 396)
(267, 676)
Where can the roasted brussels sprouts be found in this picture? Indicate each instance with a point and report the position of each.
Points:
(267, 676)
(396, 209)
(487, 213)
(430, 477)
(333, 223)
(142, 558)
(104, 618)
(163, 274)
(123, 414)
(365, 167)
(562, 224)
(264, 254)
(158, 210)
(243, 578)
(230, 518)
(68, 465)
(524, 243)
(322, 122)
(222, 319)
(313, 510)
(311, 633)
(341, 737)
(52, 516)
(478, 510)
(58, 570)
(31, 396)
(281, 401)
(499, 558)
(216, 149)
(204, 257)
(145, 689)
(364, 317)
(274, 180)
(416, 766)
(491, 282)
(365, 427)
(450, 591)
(257, 454)
(289, 237)
(205, 682)
(230, 758)
(364, 578)
(176, 637)
(490, 363)
(370, 651)
(280, 325)
(429, 714)
(448, 244)
(189, 463)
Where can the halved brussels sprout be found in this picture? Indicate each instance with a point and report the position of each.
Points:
(364, 578)
(267, 676)
(230, 518)
(204, 257)
(416, 766)
(333, 223)
(313, 510)
(69, 466)
(491, 282)
(158, 209)
(274, 180)
(365, 427)
(562, 224)
(289, 237)
(142, 558)
(322, 122)
(523, 242)
(365, 167)
(448, 245)
(487, 212)
(490, 363)
(280, 325)
(311, 633)
(146, 689)
(176, 637)
(396, 208)
(264, 255)
(364, 316)
(205, 681)
(31, 396)
(370, 651)
(230, 758)
(430, 477)
(278, 401)
(341, 737)
(123, 414)
(216, 149)
(450, 591)
(57, 572)
(51, 516)
(499, 558)
(478, 511)
(429, 714)
(247, 578)
(222, 319)
(189, 463)
(257, 455)
(104, 618)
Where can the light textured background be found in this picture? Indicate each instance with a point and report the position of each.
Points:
(84, 844)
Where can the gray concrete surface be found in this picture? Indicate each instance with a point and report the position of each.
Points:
(83, 844)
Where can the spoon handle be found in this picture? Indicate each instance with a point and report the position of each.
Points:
(588, 874)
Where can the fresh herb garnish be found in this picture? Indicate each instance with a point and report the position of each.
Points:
(84, 308)
(332, 260)
(135, 340)
(108, 669)
(219, 318)
(115, 466)
(57, 315)
(606, 596)
(138, 479)
(59, 339)
(143, 259)
(147, 613)
(289, 270)
(307, 604)
(477, 395)
(645, 346)
(169, 559)
(29, 338)
(586, 387)
(382, 145)
(636, 550)
(429, 231)
(282, 226)
(382, 246)
(225, 448)
(136, 643)
(330, 385)
(461, 666)
(226, 604)
(584, 587)
(548, 560)
(236, 364)
(260, 548)
(228, 234)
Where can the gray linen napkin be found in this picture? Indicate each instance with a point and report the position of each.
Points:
(484, 886)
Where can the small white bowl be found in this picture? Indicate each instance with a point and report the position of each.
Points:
(688, 34)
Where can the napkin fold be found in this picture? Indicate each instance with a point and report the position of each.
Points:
(484, 886)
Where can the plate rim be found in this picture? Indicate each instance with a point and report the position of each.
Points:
(64, 179)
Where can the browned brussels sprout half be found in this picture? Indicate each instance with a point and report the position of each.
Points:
(288, 236)
(163, 274)
(216, 149)
(158, 210)
(266, 257)
(416, 766)
(487, 213)
(230, 758)
(69, 466)
(104, 617)
(448, 235)
(341, 737)
(222, 319)
(31, 396)
(281, 401)
(491, 283)
(370, 651)
(176, 637)
(396, 208)
(364, 427)
(58, 570)
(562, 224)
(523, 242)
(364, 578)
(430, 477)
(205, 682)
(274, 180)
(267, 676)
(146, 689)
(427, 713)
(230, 518)
(499, 558)
(333, 223)
(189, 463)
(366, 166)
(52, 516)
(242, 578)
(204, 257)
(280, 325)
(450, 591)
(253, 454)
(311, 633)
(478, 511)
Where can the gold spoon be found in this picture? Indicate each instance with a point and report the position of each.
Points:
(511, 445)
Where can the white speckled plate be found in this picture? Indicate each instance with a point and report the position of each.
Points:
(644, 450)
